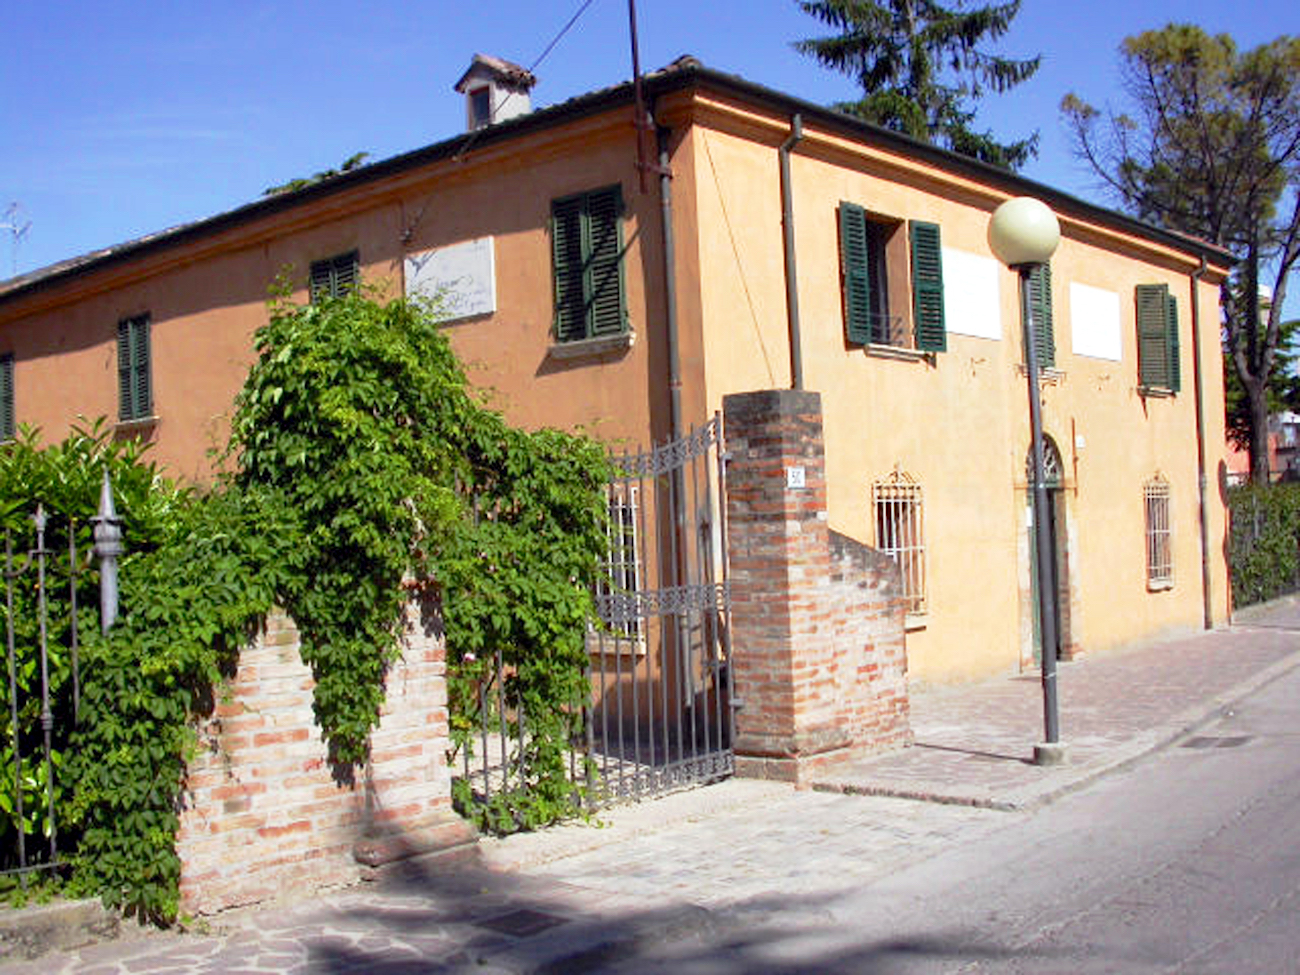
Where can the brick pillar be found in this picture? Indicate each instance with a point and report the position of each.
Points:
(804, 662)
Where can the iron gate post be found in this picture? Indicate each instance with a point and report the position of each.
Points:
(108, 546)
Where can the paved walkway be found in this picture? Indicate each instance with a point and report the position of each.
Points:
(581, 898)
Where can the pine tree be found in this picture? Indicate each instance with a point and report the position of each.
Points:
(920, 64)
(1212, 149)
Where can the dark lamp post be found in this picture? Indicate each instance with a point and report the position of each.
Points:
(1023, 235)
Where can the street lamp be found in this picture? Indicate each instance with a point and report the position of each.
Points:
(1023, 235)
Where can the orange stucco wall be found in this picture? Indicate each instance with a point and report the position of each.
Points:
(957, 421)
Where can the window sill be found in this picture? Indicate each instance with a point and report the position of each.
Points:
(898, 353)
(1047, 375)
(916, 621)
(1162, 586)
(1156, 392)
(139, 423)
(610, 645)
(592, 347)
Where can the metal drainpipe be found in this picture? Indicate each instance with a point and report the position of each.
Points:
(1206, 604)
(670, 286)
(791, 273)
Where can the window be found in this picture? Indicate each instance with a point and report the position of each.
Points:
(616, 592)
(6, 397)
(1159, 534)
(480, 107)
(587, 248)
(134, 383)
(1157, 333)
(1040, 300)
(900, 533)
(335, 276)
(871, 251)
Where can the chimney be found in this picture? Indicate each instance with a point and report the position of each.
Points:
(494, 91)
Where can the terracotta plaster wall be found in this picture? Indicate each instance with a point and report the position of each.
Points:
(959, 423)
(207, 297)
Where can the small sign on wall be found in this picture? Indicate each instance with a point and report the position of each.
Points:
(795, 478)
(462, 277)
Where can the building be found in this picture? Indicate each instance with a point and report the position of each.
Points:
(624, 280)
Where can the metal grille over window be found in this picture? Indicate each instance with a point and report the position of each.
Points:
(1159, 533)
(900, 532)
(1053, 473)
(617, 591)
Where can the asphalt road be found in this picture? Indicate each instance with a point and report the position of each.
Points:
(1189, 862)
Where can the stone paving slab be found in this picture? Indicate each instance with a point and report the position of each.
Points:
(974, 744)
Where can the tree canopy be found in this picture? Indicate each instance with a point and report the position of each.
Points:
(920, 65)
(1212, 149)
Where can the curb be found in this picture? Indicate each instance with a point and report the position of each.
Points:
(30, 932)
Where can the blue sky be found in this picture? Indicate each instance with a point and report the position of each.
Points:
(121, 119)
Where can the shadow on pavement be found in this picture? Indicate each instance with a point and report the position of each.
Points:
(479, 920)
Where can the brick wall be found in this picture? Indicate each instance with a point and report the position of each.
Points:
(817, 619)
(266, 811)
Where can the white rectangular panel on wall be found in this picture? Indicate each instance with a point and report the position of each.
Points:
(1094, 322)
(970, 294)
(463, 275)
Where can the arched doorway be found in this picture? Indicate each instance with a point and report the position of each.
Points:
(1057, 533)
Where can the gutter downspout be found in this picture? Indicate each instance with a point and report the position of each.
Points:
(1207, 608)
(791, 272)
(670, 286)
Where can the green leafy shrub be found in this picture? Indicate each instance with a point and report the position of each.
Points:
(1264, 547)
(363, 463)
(64, 480)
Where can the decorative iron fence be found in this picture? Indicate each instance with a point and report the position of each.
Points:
(42, 645)
(661, 715)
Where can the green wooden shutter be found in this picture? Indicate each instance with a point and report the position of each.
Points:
(1175, 366)
(587, 259)
(6, 397)
(1040, 297)
(134, 393)
(143, 368)
(566, 254)
(347, 273)
(1153, 315)
(124, 393)
(334, 277)
(927, 288)
(855, 270)
(320, 285)
(603, 281)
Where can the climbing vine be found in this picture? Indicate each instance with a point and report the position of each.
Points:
(363, 463)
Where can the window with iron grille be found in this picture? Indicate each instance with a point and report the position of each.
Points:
(1157, 327)
(587, 254)
(134, 379)
(1159, 534)
(617, 588)
(6, 397)
(900, 533)
(873, 252)
(335, 276)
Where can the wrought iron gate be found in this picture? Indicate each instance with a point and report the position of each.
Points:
(661, 708)
(662, 716)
